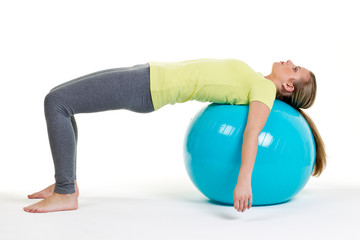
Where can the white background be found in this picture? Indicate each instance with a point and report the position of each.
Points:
(45, 43)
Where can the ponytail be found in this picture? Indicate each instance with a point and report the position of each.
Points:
(320, 161)
(303, 97)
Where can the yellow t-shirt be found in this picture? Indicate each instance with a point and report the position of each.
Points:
(226, 81)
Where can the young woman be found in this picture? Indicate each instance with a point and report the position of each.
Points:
(147, 87)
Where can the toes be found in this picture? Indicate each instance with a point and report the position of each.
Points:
(27, 209)
(32, 196)
(36, 196)
(30, 209)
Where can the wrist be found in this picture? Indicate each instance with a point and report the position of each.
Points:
(244, 178)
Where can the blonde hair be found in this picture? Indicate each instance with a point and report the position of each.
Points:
(303, 96)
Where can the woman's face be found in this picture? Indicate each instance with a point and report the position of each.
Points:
(288, 71)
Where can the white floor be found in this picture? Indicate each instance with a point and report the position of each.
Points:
(179, 211)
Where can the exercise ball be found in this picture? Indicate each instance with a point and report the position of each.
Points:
(283, 165)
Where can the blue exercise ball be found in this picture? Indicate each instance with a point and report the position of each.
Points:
(284, 162)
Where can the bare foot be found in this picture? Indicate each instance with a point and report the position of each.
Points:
(55, 202)
(47, 192)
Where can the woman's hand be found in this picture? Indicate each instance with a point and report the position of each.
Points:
(242, 196)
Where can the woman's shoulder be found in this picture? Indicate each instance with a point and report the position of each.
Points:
(263, 90)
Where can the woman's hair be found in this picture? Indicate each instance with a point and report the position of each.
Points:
(303, 96)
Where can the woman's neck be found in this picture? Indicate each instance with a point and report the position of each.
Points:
(275, 81)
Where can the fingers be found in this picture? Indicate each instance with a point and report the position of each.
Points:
(250, 202)
(236, 204)
(243, 203)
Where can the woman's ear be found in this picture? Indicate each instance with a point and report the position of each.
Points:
(288, 86)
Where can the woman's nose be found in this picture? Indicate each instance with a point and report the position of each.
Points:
(289, 62)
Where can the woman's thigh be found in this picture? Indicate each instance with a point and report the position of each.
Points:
(118, 88)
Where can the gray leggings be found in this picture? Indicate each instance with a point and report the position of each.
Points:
(118, 88)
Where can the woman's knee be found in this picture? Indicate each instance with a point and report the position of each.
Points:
(55, 102)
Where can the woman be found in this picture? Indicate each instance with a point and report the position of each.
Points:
(148, 87)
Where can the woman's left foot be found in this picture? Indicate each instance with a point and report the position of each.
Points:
(53, 203)
(43, 193)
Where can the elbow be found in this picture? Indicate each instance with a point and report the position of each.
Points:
(251, 133)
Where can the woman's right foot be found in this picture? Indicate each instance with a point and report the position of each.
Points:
(47, 192)
(55, 202)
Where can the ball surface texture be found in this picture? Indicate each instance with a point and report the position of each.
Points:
(284, 162)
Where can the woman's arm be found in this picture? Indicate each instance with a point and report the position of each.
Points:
(258, 114)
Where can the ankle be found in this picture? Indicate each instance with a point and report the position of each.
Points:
(65, 195)
(65, 188)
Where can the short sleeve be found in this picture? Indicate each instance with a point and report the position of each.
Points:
(263, 91)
